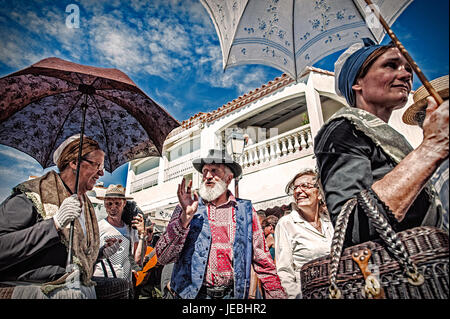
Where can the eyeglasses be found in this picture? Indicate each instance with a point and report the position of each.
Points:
(98, 166)
(116, 203)
(303, 186)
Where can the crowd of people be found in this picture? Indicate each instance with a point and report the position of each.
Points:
(217, 246)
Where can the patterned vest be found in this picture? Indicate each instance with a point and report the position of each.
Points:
(188, 272)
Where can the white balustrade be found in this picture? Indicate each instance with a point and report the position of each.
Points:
(144, 182)
(303, 140)
(278, 149)
(181, 166)
(252, 157)
(283, 147)
(290, 147)
(264, 153)
(272, 151)
(287, 144)
(255, 155)
(308, 138)
(296, 143)
(178, 170)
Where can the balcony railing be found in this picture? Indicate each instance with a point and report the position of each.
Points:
(144, 182)
(182, 167)
(291, 144)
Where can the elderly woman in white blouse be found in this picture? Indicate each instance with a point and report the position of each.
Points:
(304, 234)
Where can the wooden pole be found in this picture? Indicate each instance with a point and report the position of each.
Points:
(405, 53)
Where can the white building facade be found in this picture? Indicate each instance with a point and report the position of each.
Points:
(281, 118)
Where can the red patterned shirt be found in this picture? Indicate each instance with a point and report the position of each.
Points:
(219, 271)
(223, 229)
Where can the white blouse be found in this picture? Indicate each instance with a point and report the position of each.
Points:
(296, 243)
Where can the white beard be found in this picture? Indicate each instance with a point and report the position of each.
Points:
(211, 193)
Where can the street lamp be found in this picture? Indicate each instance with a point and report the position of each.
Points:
(235, 148)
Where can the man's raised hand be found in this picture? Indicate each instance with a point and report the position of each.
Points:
(188, 204)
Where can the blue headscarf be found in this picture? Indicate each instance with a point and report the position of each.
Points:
(350, 69)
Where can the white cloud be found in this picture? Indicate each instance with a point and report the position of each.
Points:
(119, 44)
(156, 46)
(16, 167)
(45, 31)
(251, 81)
(168, 44)
(169, 35)
(170, 99)
(174, 40)
(15, 154)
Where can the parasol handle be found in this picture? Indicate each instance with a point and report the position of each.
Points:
(80, 149)
(405, 53)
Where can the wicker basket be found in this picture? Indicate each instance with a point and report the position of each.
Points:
(428, 249)
(412, 264)
(6, 291)
(111, 288)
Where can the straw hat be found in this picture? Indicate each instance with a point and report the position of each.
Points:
(415, 114)
(114, 191)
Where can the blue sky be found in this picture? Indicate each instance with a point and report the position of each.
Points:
(169, 48)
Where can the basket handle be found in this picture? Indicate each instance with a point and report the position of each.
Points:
(383, 228)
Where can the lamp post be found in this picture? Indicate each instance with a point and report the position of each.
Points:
(235, 148)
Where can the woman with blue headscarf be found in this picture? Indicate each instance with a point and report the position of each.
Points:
(357, 150)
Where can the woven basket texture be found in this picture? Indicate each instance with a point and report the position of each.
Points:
(106, 288)
(415, 113)
(427, 247)
(111, 288)
(6, 291)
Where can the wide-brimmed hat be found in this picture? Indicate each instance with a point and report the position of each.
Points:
(415, 114)
(218, 157)
(114, 191)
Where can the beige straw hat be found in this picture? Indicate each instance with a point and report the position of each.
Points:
(415, 114)
(114, 191)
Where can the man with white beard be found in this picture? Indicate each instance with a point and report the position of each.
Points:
(215, 238)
